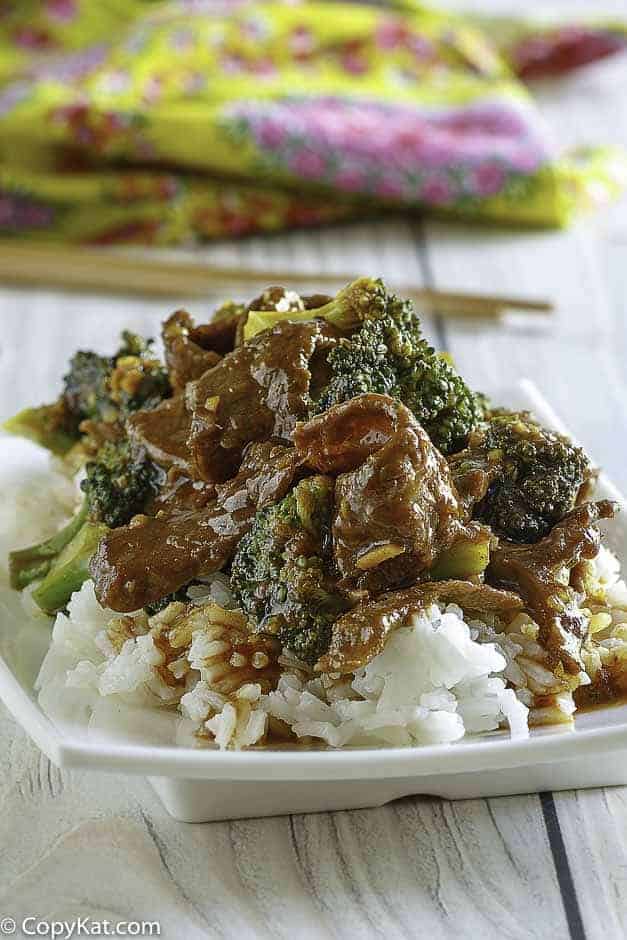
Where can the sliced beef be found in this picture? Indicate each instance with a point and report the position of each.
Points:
(473, 476)
(359, 635)
(186, 358)
(279, 299)
(257, 392)
(179, 492)
(540, 573)
(164, 432)
(220, 334)
(137, 564)
(342, 438)
(398, 508)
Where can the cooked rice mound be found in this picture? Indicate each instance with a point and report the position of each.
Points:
(439, 677)
(436, 680)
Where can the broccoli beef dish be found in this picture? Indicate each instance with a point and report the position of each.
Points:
(300, 525)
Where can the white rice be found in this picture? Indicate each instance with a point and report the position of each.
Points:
(607, 569)
(437, 679)
(81, 665)
(432, 684)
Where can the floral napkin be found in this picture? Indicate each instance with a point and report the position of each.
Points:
(131, 120)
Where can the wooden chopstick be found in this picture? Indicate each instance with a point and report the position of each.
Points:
(95, 269)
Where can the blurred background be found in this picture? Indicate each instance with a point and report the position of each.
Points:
(174, 123)
(205, 148)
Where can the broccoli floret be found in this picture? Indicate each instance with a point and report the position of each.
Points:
(117, 486)
(96, 388)
(60, 563)
(132, 344)
(282, 571)
(86, 387)
(138, 379)
(34, 562)
(119, 483)
(102, 388)
(366, 297)
(69, 569)
(388, 355)
(536, 476)
(50, 426)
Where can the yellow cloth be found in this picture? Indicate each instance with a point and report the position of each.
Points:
(129, 120)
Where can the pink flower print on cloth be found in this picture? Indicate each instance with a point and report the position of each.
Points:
(397, 152)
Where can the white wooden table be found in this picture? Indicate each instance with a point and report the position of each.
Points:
(533, 866)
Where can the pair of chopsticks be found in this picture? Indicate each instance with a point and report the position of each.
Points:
(102, 270)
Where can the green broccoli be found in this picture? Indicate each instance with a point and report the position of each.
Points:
(139, 380)
(50, 426)
(69, 569)
(132, 344)
(360, 300)
(388, 355)
(282, 570)
(534, 475)
(59, 563)
(119, 483)
(117, 486)
(97, 388)
(108, 389)
(30, 564)
(86, 388)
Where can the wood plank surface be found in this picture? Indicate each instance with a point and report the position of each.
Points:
(102, 845)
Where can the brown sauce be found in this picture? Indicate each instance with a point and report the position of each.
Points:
(605, 692)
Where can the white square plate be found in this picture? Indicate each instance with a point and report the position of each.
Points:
(205, 784)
